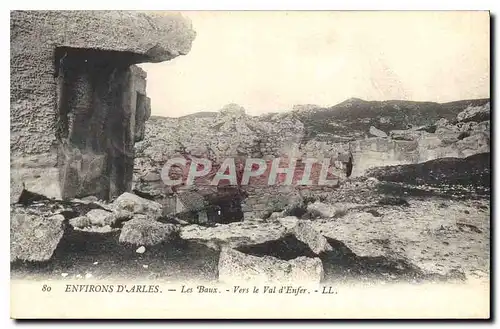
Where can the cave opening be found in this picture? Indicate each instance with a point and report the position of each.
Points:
(225, 205)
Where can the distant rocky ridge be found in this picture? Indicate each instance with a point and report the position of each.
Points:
(352, 118)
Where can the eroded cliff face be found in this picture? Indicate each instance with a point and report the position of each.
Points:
(78, 103)
(232, 133)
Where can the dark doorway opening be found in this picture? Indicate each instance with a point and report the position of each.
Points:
(95, 109)
(225, 206)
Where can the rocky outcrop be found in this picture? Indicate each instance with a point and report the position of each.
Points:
(465, 136)
(77, 106)
(233, 133)
(475, 113)
(230, 133)
(80, 222)
(351, 119)
(473, 171)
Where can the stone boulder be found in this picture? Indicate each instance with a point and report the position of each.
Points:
(289, 222)
(442, 122)
(121, 216)
(34, 237)
(80, 222)
(377, 132)
(144, 232)
(276, 215)
(295, 205)
(137, 205)
(237, 267)
(477, 143)
(99, 217)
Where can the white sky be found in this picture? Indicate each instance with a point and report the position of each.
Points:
(270, 61)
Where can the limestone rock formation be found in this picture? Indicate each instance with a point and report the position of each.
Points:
(34, 237)
(237, 267)
(228, 133)
(77, 102)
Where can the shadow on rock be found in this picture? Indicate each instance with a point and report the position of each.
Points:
(286, 248)
(341, 264)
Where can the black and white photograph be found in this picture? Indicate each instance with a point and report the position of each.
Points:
(212, 164)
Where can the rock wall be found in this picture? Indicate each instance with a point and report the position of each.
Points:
(76, 64)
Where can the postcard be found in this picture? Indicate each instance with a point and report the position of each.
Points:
(250, 164)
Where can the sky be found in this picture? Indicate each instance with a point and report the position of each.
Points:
(270, 61)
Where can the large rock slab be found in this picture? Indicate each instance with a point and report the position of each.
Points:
(237, 267)
(157, 37)
(34, 237)
(474, 144)
(46, 43)
(144, 232)
(235, 234)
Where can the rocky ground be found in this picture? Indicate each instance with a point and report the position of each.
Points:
(370, 230)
